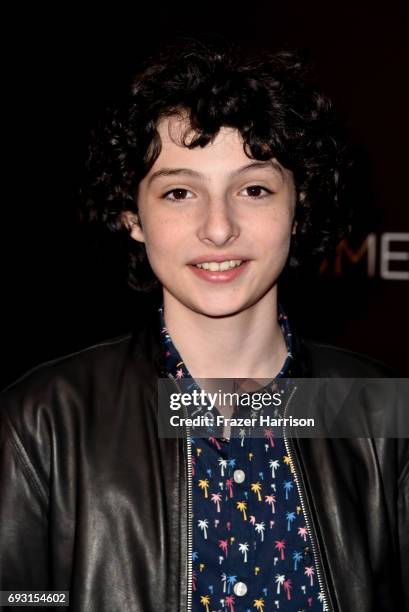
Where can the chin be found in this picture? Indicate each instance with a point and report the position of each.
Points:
(219, 308)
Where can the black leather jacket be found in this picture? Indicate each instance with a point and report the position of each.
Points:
(94, 502)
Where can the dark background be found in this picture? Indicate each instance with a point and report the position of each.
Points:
(63, 66)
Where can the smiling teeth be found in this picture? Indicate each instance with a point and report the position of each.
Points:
(213, 266)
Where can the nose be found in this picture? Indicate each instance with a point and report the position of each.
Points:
(219, 225)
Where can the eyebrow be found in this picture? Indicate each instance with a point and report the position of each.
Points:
(193, 173)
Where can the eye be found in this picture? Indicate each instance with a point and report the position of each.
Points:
(178, 194)
(256, 191)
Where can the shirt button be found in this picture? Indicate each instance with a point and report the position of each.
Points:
(240, 589)
(239, 476)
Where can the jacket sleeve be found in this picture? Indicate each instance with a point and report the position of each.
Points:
(23, 515)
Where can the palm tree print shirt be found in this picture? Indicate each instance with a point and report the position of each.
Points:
(251, 546)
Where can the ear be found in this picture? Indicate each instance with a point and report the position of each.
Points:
(133, 225)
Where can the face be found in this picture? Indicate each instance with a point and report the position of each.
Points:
(216, 224)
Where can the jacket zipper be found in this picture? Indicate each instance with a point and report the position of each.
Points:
(298, 481)
(189, 520)
(188, 451)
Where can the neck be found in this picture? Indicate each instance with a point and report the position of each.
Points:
(248, 344)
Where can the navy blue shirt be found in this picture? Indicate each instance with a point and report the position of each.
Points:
(251, 546)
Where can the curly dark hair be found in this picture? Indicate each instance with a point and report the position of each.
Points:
(268, 97)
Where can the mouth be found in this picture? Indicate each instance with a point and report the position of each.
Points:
(219, 271)
(220, 266)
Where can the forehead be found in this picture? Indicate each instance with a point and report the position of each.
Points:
(224, 152)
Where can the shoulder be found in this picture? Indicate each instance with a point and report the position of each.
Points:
(72, 364)
(61, 401)
(64, 377)
(325, 360)
(59, 404)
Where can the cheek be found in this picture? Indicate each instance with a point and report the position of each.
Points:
(276, 238)
(163, 243)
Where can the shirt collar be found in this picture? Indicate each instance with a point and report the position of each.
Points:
(175, 365)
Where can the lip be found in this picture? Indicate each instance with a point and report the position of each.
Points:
(220, 277)
(216, 258)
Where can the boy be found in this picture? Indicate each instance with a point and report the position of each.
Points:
(219, 171)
